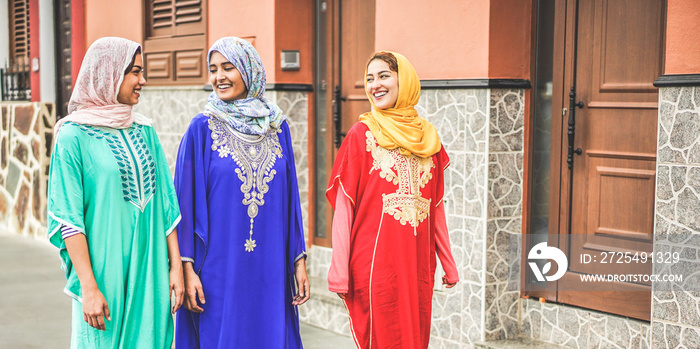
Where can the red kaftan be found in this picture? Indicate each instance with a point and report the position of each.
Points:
(384, 253)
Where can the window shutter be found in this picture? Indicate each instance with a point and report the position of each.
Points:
(160, 18)
(175, 43)
(188, 17)
(19, 31)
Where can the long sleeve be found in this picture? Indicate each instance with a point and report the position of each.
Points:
(65, 198)
(191, 189)
(342, 224)
(442, 242)
(297, 243)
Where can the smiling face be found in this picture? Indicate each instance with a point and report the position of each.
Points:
(225, 78)
(130, 89)
(382, 84)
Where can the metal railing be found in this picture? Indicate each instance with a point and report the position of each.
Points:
(15, 82)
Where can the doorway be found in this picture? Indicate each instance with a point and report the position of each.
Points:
(64, 79)
(345, 40)
(600, 175)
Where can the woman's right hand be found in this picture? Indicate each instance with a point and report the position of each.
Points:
(95, 308)
(193, 289)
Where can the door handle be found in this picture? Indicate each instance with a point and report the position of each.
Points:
(572, 128)
(337, 117)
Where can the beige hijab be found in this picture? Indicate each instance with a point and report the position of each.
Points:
(401, 127)
(94, 98)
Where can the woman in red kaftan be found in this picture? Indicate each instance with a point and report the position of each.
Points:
(387, 188)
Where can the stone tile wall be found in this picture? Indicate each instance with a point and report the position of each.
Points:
(462, 120)
(26, 137)
(172, 109)
(676, 306)
(574, 327)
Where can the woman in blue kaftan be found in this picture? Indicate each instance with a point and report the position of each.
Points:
(241, 236)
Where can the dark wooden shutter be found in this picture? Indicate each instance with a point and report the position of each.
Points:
(19, 31)
(188, 17)
(160, 18)
(175, 42)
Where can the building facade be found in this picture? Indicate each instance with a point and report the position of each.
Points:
(570, 122)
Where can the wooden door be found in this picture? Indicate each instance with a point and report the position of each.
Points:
(345, 39)
(64, 83)
(608, 193)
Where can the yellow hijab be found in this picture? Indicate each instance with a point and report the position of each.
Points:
(401, 127)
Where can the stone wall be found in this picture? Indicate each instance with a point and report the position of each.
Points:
(574, 327)
(25, 149)
(172, 109)
(676, 307)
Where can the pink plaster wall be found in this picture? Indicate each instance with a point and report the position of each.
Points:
(446, 39)
(122, 18)
(247, 18)
(682, 44)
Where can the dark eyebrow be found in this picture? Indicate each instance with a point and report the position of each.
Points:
(214, 65)
(136, 66)
(381, 72)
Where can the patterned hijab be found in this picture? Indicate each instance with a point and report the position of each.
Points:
(94, 98)
(401, 127)
(255, 114)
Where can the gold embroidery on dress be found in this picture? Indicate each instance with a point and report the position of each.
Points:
(411, 173)
(255, 157)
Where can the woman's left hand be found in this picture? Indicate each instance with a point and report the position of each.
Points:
(177, 285)
(446, 283)
(304, 291)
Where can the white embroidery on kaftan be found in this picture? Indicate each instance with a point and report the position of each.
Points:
(411, 173)
(255, 157)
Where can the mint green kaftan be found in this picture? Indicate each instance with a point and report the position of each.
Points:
(115, 187)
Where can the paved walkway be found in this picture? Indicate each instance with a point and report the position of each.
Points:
(35, 313)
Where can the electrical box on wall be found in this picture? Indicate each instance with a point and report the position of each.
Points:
(290, 60)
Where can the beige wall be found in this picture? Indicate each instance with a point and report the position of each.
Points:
(682, 44)
(248, 18)
(448, 39)
(122, 18)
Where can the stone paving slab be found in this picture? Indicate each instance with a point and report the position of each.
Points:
(35, 313)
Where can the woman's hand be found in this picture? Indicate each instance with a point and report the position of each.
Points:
(193, 289)
(302, 282)
(177, 285)
(95, 308)
(446, 283)
(342, 295)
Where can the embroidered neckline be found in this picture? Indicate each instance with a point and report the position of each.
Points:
(137, 168)
(411, 173)
(255, 156)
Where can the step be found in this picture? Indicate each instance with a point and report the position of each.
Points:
(518, 343)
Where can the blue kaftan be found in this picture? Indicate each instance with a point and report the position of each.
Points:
(242, 227)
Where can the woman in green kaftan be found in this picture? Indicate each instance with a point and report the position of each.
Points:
(113, 209)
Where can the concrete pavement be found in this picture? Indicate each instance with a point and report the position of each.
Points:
(35, 313)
